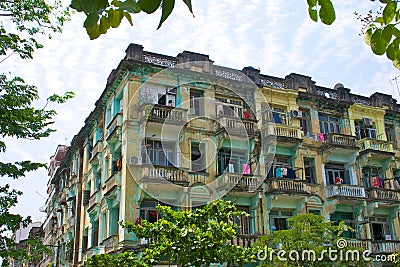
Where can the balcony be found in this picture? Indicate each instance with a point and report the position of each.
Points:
(94, 200)
(196, 178)
(369, 144)
(385, 246)
(236, 126)
(246, 241)
(240, 182)
(345, 190)
(359, 243)
(161, 113)
(340, 140)
(287, 134)
(110, 244)
(381, 189)
(114, 128)
(290, 186)
(159, 174)
(96, 150)
(112, 182)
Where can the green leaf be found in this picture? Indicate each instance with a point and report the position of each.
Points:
(368, 36)
(389, 12)
(391, 51)
(93, 32)
(312, 2)
(91, 20)
(379, 20)
(128, 17)
(149, 6)
(312, 11)
(377, 43)
(130, 6)
(396, 32)
(104, 25)
(327, 12)
(76, 4)
(396, 63)
(387, 33)
(167, 7)
(101, 5)
(188, 3)
(89, 6)
(116, 3)
(115, 17)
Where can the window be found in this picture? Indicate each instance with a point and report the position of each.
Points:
(232, 162)
(158, 153)
(365, 129)
(309, 170)
(229, 107)
(242, 222)
(380, 229)
(278, 219)
(197, 157)
(390, 132)
(336, 174)
(95, 233)
(113, 221)
(328, 124)
(305, 122)
(280, 115)
(148, 211)
(348, 219)
(195, 102)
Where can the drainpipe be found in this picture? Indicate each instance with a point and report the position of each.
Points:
(78, 209)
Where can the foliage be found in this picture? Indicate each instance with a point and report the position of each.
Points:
(23, 21)
(104, 14)
(381, 31)
(124, 259)
(193, 238)
(306, 232)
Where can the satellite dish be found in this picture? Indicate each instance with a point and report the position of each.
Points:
(42, 209)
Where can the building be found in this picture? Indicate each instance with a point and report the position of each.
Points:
(21, 237)
(335, 154)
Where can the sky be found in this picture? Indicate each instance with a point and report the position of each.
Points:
(275, 36)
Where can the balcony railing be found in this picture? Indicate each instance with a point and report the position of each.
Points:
(385, 246)
(345, 190)
(236, 126)
(161, 113)
(358, 243)
(170, 174)
(289, 185)
(94, 200)
(195, 177)
(287, 131)
(113, 181)
(383, 194)
(244, 240)
(373, 144)
(340, 140)
(113, 126)
(241, 182)
(110, 243)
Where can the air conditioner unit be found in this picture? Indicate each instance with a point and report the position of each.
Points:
(367, 121)
(296, 113)
(133, 160)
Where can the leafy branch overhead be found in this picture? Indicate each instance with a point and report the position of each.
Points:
(102, 15)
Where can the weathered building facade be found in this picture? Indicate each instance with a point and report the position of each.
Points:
(336, 154)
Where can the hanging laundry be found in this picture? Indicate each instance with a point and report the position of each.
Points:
(284, 171)
(338, 180)
(322, 137)
(315, 137)
(231, 168)
(278, 172)
(246, 168)
(291, 173)
(376, 181)
(277, 118)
